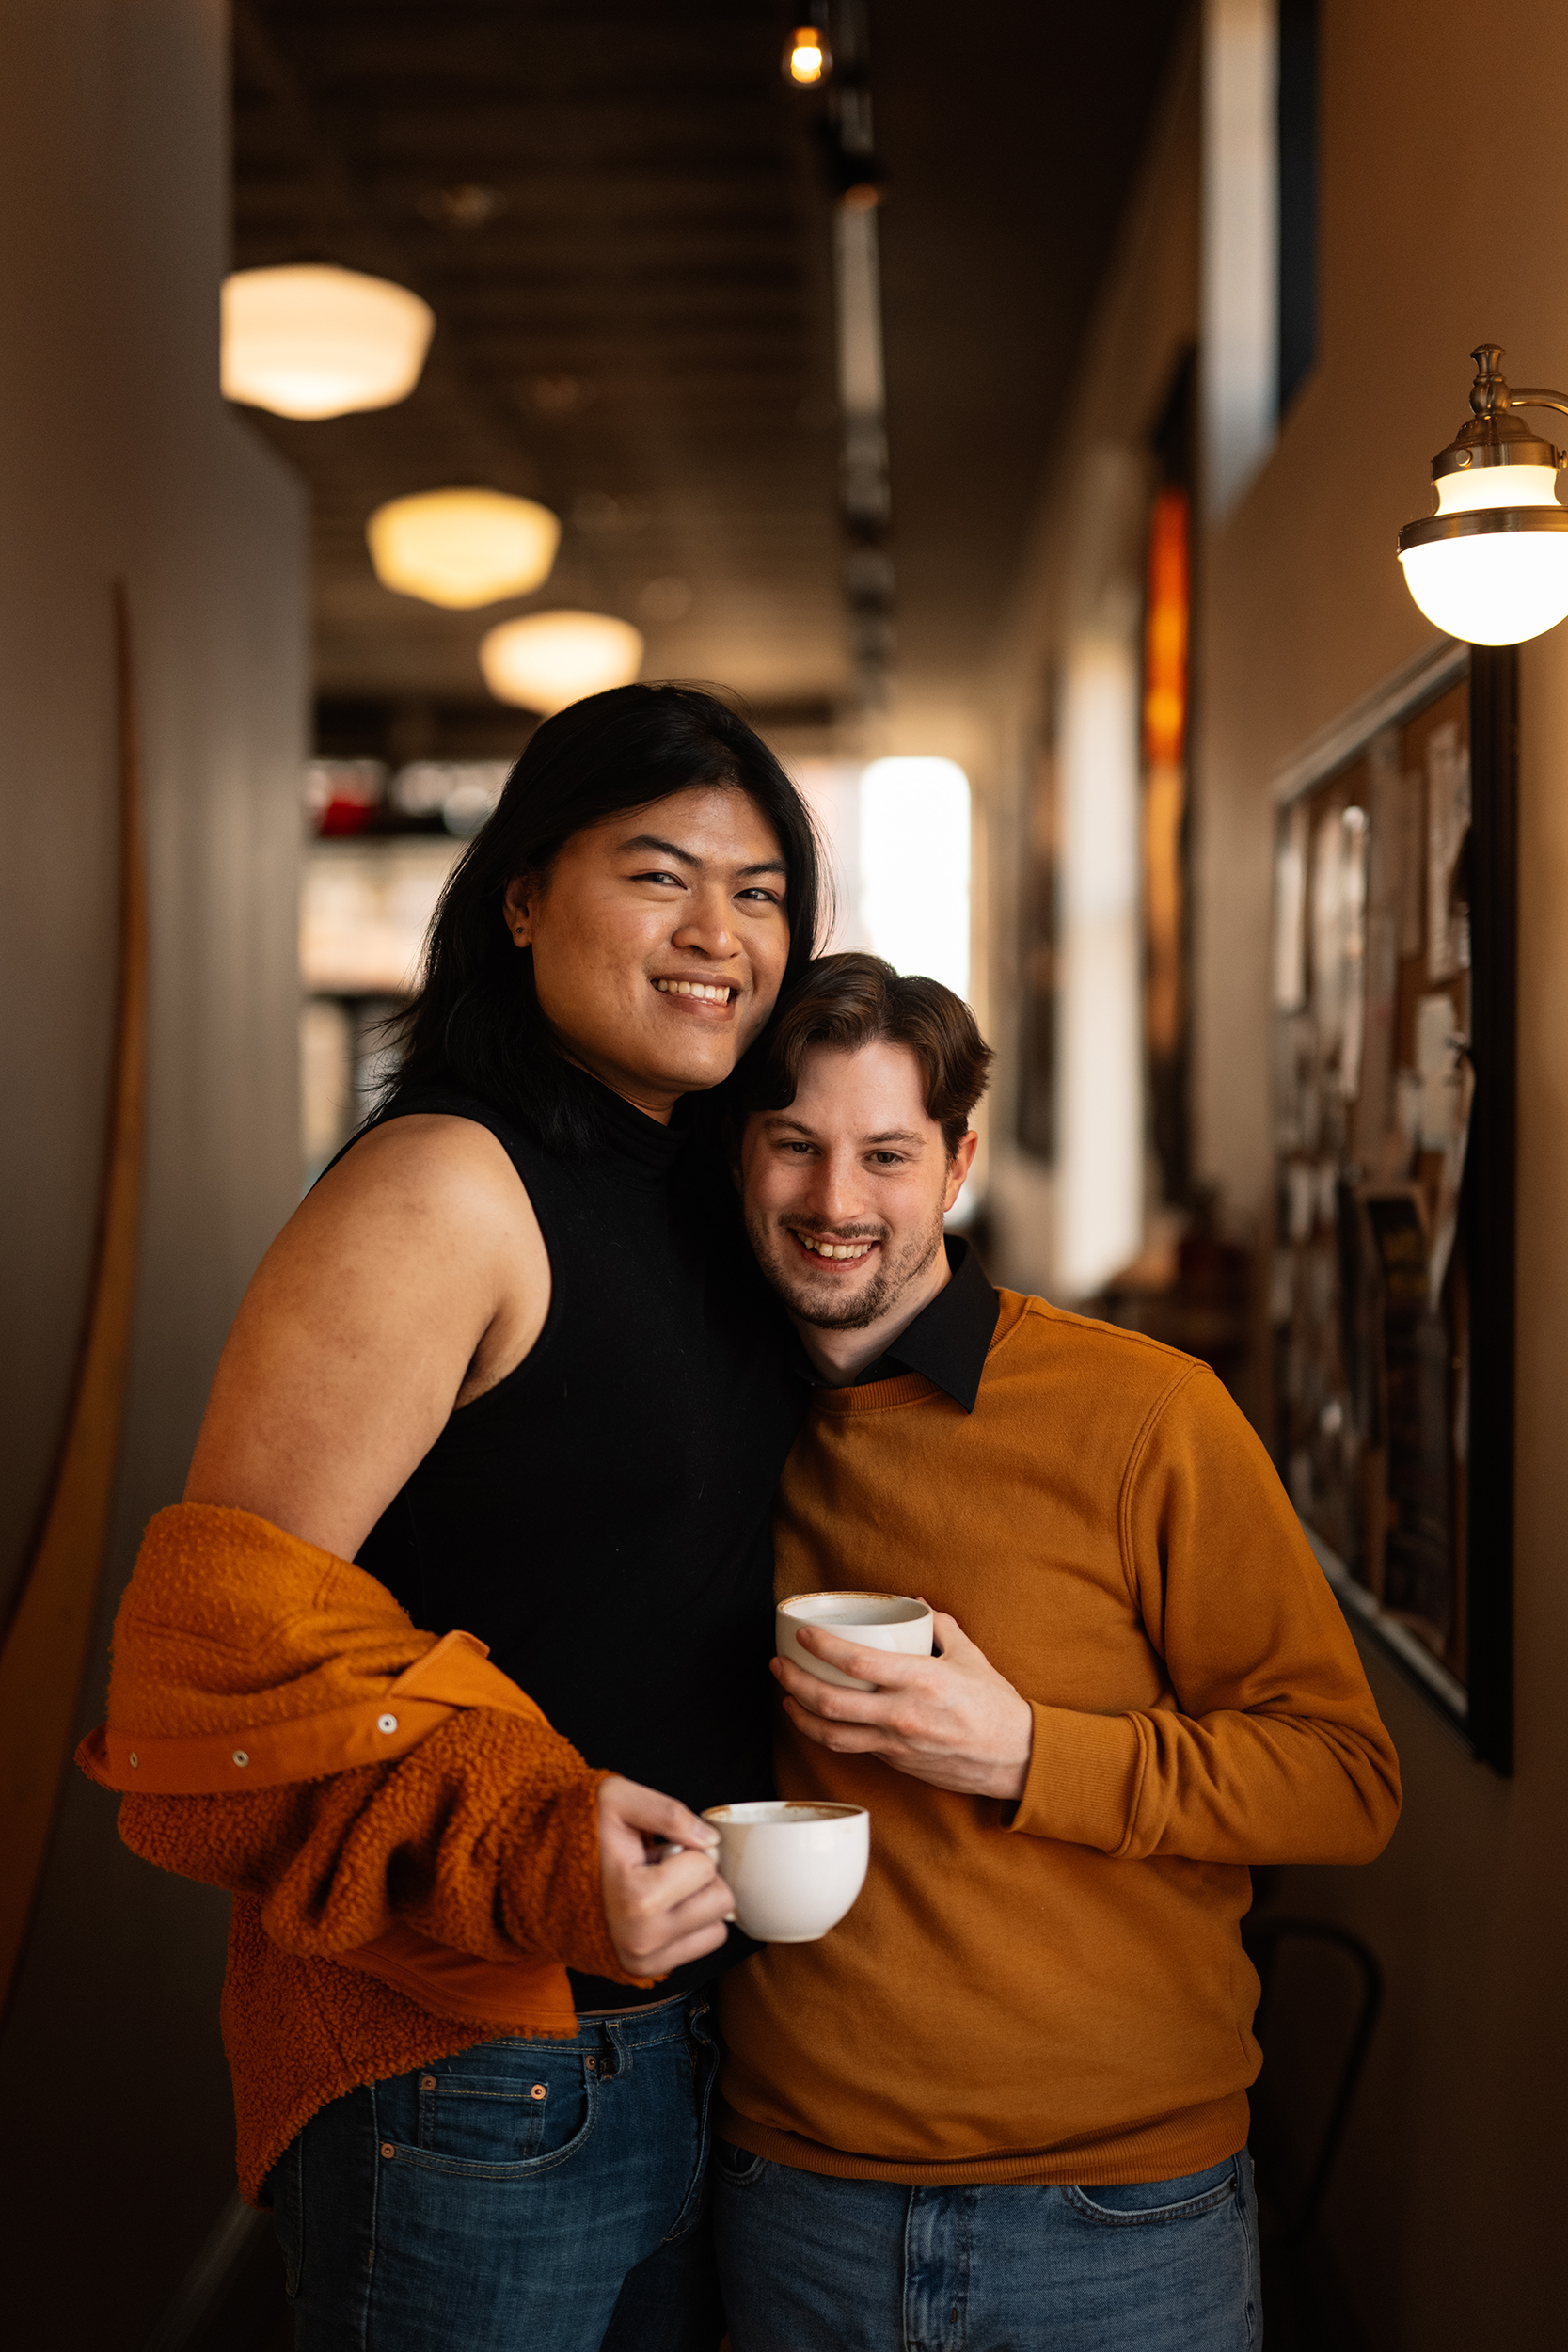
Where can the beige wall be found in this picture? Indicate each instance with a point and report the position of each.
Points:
(118, 459)
(1445, 221)
(1447, 2202)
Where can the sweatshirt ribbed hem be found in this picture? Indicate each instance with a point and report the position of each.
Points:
(1167, 2150)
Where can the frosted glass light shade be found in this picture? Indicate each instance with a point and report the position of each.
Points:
(1497, 584)
(462, 547)
(310, 339)
(1479, 486)
(548, 660)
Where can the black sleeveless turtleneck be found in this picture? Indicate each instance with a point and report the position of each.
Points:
(601, 1516)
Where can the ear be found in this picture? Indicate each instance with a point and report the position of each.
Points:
(959, 1167)
(518, 905)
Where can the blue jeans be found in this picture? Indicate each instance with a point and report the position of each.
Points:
(810, 2264)
(538, 2195)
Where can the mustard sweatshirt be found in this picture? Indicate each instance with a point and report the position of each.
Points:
(1057, 1991)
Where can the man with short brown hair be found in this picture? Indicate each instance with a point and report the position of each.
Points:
(1003, 2105)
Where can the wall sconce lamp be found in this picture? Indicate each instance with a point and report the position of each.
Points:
(1492, 564)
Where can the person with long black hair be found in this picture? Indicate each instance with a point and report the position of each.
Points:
(510, 1359)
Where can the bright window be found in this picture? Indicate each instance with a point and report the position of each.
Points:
(914, 836)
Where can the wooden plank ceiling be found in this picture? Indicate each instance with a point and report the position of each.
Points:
(615, 209)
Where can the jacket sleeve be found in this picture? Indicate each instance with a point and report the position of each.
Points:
(484, 1837)
(1269, 1746)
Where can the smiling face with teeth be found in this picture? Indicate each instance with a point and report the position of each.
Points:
(845, 1193)
(659, 941)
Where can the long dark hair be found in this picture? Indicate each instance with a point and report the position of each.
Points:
(476, 1025)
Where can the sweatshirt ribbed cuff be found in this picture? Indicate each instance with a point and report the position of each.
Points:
(1082, 1782)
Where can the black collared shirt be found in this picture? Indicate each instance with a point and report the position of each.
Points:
(947, 1341)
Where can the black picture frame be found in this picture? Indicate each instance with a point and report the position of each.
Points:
(1481, 1710)
(1488, 1201)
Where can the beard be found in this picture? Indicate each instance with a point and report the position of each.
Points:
(826, 1301)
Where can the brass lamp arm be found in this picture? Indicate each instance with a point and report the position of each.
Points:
(1531, 398)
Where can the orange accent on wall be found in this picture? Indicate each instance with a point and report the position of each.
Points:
(1165, 640)
(1165, 631)
(46, 1641)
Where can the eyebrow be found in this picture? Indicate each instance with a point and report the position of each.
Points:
(685, 857)
(889, 1135)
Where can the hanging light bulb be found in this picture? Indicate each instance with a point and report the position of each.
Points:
(462, 547)
(1491, 566)
(315, 340)
(548, 660)
(808, 59)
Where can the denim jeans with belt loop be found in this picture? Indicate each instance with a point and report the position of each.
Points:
(546, 2194)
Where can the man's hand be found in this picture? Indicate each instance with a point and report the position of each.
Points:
(951, 1720)
(663, 1897)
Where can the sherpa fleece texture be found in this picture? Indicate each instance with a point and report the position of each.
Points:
(483, 1838)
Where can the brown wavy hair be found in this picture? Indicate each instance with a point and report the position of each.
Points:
(850, 1000)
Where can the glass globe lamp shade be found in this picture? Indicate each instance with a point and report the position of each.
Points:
(310, 339)
(462, 547)
(548, 660)
(1493, 576)
(1468, 493)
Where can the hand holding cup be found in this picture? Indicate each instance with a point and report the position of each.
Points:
(664, 1900)
(951, 1720)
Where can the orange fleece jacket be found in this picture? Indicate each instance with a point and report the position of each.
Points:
(1057, 1991)
(466, 1869)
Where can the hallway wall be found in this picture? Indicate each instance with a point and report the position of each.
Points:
(1082, 577)
(1444, 2208)
(118, 460)
(1446, 2201)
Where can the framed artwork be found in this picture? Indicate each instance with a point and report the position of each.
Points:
(1394, 986)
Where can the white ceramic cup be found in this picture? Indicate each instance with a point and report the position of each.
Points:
(874, 1620)
(794, 1869)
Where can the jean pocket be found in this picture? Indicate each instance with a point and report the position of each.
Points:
(737, 2167)
(1136, 2204)
(503, 2121)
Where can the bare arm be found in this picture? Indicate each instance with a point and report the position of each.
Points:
(413, 1277)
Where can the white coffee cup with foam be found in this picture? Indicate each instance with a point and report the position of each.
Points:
(793, 1866)
(871, 1620)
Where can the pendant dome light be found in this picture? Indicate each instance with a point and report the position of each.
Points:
(312, 340)
(462, 547)
(1491, 566)
(548, 660)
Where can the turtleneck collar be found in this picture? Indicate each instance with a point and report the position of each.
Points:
(632, 1135)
